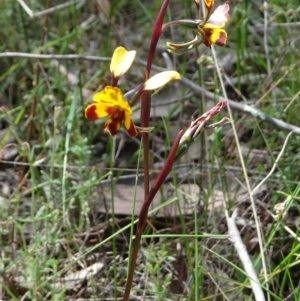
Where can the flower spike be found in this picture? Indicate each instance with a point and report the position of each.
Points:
(197, 127)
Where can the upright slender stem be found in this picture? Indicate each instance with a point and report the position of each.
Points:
(146, 95)
(145, 116)
(144, 212)
(156, 34)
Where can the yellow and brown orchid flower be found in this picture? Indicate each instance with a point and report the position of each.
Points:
(213, 28)
(208, 31)
(111, 101)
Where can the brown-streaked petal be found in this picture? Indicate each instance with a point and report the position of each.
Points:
(215, 36)
(113, 126)
(129, 125)
(95, 111)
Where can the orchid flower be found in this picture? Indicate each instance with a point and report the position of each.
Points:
(208, 31)
(111, 101)
(213, 28)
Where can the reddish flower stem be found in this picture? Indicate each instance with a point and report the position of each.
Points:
(146, 98)
(156, 34)
(145, 116)
(146, 95)
(144, 212)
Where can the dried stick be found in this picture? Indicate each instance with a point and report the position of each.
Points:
(244, 257)
(279, 124)
(241, 107)
(47, 11)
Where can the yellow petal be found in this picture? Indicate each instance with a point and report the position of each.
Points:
(129, 125)
(121, 61)
(160, 79)
(95, 111)
(112, 97)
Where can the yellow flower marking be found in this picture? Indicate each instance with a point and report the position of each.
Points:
(111, 102)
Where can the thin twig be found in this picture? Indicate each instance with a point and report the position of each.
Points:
(50, 10)
(241, 107)
(272, 25)
(185, 81)
(39, 56)
(274, 165)
(244, 257)
(292, 100)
